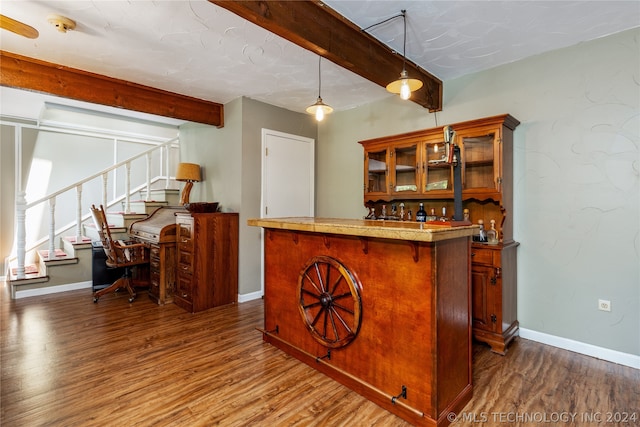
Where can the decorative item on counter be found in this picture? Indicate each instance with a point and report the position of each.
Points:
(401, 211)
(383, 214)
(444, 214)
(394, 211)
(372, 212)
(465, 215)
(409, 215)
(432, 215)
(482, 234)
(492, 234)
(421, 215)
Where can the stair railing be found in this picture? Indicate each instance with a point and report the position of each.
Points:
(22, 206)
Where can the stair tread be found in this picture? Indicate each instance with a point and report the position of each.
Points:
(59, 253)
(73, 239)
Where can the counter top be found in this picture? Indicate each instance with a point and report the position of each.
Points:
(398, 230)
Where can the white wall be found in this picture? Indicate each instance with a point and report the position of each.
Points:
(576, 179)
(230, 158)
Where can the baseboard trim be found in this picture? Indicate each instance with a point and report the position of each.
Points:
(249, 297)
(609, 355)
(53, 289)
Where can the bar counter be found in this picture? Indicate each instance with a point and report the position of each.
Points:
(400, 230)
(382, 307)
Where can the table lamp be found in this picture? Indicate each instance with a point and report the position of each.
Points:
(189, 173)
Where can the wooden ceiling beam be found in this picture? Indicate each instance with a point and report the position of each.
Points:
(26, 73)
(318, 28)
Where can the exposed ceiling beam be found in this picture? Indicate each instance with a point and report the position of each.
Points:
(22, 72)
(318, 28)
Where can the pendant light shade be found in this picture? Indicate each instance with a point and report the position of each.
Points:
(404, 85)
(319, 109)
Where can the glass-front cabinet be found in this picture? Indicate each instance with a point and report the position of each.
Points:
(418, 167)
(405, 164)
(376, 172)
(480, 152)
(438, 173)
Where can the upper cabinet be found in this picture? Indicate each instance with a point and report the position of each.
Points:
(419, 167)
(415, 165)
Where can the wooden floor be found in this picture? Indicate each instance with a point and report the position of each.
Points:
(69, 362)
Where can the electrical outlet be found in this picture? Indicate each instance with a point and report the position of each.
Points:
(604, 305)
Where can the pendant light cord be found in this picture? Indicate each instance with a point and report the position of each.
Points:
(319, 76)
(403, 14)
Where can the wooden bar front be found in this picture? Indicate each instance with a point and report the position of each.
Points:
(412, 352)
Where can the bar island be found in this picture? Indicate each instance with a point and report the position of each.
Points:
(382, 307)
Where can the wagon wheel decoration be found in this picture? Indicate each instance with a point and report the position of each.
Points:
(329, 301)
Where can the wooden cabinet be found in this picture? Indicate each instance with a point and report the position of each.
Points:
(207, 260)
(161, 272)
(413, 168)
(494, 296)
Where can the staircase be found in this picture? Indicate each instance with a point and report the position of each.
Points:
(71, 267)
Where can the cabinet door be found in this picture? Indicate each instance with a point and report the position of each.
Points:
(483, 285)
(376, 169)
(404, 169)
(480, 152)
(438, 174)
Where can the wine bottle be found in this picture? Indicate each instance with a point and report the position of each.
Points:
(421, 215)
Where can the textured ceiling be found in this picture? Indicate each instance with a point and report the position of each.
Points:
(198, 49)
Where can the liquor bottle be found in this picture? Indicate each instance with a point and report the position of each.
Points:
(492, 234)
(383, 214)
(444, 214)
(421, 215)
(482, 236)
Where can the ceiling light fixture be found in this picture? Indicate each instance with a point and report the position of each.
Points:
(319, 109)
(404, 85)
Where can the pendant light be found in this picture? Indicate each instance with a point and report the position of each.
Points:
(319, 109)
(404, 85)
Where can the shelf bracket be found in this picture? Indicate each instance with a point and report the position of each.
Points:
(415, 251)
(365, 245)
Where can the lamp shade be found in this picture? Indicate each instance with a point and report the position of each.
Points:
(319, 109)
(189, 172)
(404, 85)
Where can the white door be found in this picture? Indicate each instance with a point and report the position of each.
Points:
(287, 179)
(287, 175)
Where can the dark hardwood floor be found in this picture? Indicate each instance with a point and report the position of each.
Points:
(69, 362)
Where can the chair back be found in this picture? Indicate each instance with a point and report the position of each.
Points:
(100, 221)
